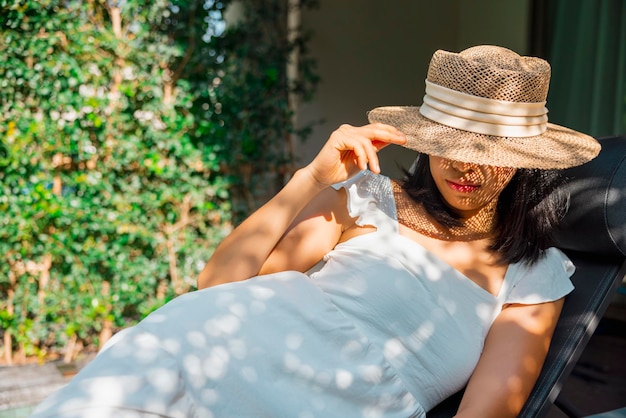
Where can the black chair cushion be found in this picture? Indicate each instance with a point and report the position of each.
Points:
(595, 221)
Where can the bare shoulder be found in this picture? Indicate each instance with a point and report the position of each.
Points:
(540, 317)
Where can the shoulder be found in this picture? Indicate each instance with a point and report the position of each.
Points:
(546, 280)
(367, 191)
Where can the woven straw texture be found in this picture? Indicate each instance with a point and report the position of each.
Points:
(494, 73)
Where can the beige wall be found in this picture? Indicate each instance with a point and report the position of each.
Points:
(374, 53)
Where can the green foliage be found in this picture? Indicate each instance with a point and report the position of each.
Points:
(99, 170)
(250, 96)
(124, 126)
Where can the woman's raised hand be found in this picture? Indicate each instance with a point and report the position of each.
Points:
(244, 252)
(350, 149)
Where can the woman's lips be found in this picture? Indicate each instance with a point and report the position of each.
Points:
(463, 188)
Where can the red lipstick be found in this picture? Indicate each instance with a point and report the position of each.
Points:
(463, 188)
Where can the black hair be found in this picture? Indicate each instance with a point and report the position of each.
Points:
(528, 210)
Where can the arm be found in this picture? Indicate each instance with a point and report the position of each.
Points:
(514, 352)
(315, 231)
(266, 241)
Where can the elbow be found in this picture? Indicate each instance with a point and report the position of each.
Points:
(215, 273)
(210, 276)
(204, 279)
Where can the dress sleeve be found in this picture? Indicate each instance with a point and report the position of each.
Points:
(370, 199)
(545, 281)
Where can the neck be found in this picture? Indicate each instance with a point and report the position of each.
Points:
(478, 226)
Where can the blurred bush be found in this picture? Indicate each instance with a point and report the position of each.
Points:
(132, 134)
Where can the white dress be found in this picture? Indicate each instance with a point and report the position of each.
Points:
(383, 329)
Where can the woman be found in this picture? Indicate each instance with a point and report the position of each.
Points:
(413, 291)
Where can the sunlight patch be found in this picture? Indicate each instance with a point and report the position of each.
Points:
(204, 412)
(425, 331)
(156, 318)
(373, 412)
(432, 272)
(262, 293)
(111, 390)
(238, 309)
(343, 379)
(257, 307)
(196, 339)
(372, 374)
(484, 312)
(294, 341)
(164, 380)
(225, 299)
(352, 348)
(223, 325)
(171, 345)
(191, 363)
(238, 348)
(292, 362)
(215, 366)
(145, 340)
(448, 304)
(306, 372)
(209, 396)
(394, 349)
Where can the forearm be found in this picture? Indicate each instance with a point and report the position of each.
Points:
(242, 253)
(348, 150)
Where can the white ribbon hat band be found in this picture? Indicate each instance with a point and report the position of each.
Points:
(482, 115)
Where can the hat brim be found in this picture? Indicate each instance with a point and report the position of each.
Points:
(557, 148)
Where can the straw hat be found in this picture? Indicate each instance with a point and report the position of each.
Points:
(486, 105)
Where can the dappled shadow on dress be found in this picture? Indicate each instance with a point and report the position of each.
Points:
(270, 346)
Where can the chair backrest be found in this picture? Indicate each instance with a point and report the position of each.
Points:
(593, 235)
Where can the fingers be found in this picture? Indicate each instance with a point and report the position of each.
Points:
(385, 134)
(350, 149)
(365, 141)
